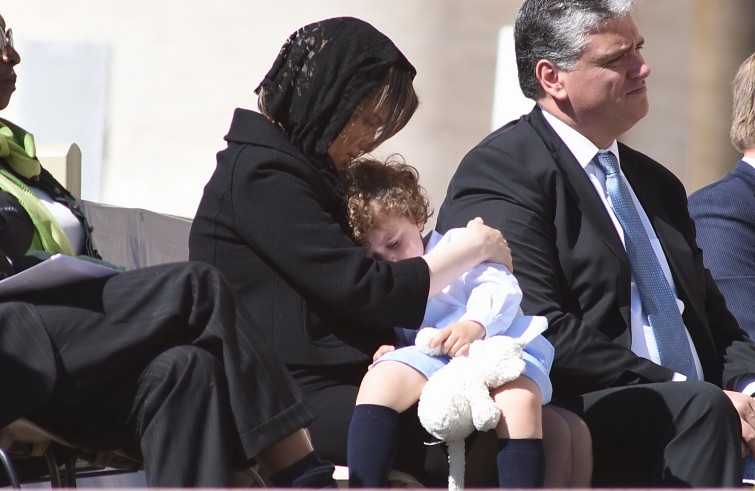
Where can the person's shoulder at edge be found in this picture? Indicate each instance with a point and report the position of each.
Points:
(730, 181)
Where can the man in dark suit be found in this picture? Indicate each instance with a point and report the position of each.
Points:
(550, 183)
(724, 212)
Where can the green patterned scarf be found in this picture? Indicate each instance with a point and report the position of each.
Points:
(49, 235)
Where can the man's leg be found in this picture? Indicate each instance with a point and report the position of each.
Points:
(661, 435)
(27, 353)
(183, 421)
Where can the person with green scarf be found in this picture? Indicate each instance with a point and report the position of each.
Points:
(60, 226)
(156, 362)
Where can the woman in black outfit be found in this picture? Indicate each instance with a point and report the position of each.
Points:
(272, 219)
(157, 362)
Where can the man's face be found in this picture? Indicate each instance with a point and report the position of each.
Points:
(607, 91)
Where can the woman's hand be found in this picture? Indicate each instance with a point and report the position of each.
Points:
(494, 246)
(478, 243)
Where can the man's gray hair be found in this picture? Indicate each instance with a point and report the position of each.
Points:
(557, 31)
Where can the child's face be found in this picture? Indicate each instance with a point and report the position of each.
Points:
(395, 238)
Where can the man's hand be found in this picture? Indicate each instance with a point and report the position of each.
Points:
(745, 406)
(381, 351)
(455, 338)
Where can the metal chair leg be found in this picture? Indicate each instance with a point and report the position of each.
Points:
(10, 469)
(70, 472)
(52, 468)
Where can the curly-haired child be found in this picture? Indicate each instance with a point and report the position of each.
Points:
(388, 210)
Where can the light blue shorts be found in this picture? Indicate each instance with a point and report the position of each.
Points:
(537, 355)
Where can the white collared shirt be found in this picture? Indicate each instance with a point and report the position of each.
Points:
(749, 160)
(643, 342)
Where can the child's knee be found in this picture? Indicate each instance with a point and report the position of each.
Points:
(520, 393)
(391, 384)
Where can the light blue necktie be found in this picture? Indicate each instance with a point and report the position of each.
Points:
(658, 300)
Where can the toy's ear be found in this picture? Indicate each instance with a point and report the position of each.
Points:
(424, 339)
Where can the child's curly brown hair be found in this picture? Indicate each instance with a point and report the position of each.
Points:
(381, 189)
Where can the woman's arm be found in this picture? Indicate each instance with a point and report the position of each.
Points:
(286, 215)
(479, 243)
(16, 228)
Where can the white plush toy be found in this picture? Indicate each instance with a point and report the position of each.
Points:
(456, 399)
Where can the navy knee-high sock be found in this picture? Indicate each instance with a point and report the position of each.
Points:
(372, 443)
(521, 463)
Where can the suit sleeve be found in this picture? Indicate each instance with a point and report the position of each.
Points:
(284, 213)
(522, 199)
(725, 231)
(725, 223)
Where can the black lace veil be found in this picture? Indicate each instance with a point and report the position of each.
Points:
(322, 73)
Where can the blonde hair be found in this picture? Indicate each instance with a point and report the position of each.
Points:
(743, 114)
(381, 189)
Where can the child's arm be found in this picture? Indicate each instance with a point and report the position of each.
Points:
(455, 338)
(489, 292)
(476, 243)
(493, 298)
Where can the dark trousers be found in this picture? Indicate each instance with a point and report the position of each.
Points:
(662, 435)
(155, 361)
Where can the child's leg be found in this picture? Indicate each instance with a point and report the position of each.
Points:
(392, 384)
(520, 458)
(567, 446)
(387, 389)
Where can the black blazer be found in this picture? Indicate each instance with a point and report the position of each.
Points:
(273, 222)
(724, 213)
(572, 266)
(16, 232)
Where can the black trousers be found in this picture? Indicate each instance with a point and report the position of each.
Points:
(673, 434)
(155, 361)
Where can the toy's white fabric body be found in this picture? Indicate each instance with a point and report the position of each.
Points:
(456, 399)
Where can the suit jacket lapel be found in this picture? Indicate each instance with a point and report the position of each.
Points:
(579, 185)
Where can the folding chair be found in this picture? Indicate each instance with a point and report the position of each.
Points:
(29, 453)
